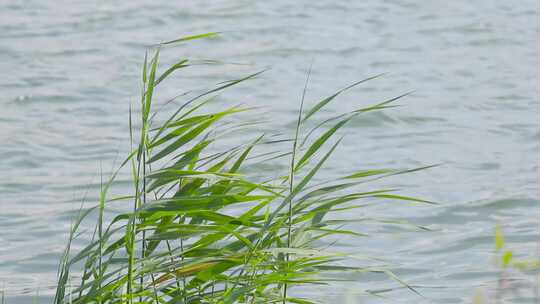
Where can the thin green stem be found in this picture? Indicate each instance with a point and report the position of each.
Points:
(291, 175)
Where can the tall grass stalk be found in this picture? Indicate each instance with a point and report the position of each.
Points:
(203, 230)
(291, 172)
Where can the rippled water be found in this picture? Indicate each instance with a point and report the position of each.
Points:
(70, 69)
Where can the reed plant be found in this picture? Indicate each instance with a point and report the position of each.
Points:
(201, 228)
(518, 279)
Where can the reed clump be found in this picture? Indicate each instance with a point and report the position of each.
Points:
(201, 230)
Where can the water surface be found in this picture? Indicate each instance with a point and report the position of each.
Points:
(71, 68)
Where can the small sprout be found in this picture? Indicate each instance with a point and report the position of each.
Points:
(507, 258)
(499, 238)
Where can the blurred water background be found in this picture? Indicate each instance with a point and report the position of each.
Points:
(71, 68)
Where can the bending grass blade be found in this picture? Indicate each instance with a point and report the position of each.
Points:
(193, 37)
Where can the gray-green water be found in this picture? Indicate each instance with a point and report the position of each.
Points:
(70, 69)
